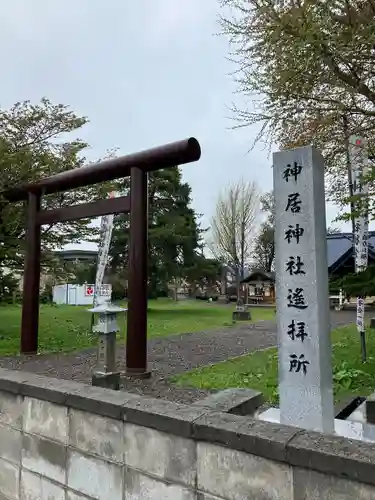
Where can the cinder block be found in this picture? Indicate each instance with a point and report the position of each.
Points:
(163, 415)
(9, 480)
(236, 401)
(94, 477)
(44, 457)
(46, 419)
(10, 444)
(333, 455)
(34, 487)
(310, 485)
(256, 437)
(101, 436)
(11, 409)
(235, 475)
(139, 486)
(164, 455)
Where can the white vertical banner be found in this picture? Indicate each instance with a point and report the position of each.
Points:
(106, 228)
(359, 168)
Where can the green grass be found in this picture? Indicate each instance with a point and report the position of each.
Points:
(259, 370)
(66, 328)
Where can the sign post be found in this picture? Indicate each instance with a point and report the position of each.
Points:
(302, 296)
(359, 168)
(106, 228)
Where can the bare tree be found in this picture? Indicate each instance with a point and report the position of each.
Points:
(234, 224)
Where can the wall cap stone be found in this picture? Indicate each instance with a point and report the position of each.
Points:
(324, 453)
(237, 401)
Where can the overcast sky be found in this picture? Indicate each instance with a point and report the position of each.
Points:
(145, 72)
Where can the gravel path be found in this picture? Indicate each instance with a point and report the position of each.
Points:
(167, 356)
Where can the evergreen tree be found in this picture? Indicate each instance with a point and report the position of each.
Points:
(264, 250)
(173, 233)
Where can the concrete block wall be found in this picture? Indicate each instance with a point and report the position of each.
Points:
(68, 441)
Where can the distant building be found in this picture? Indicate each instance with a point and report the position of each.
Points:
(77, 255)
(260, 285)
(340, 253)
(73, 256)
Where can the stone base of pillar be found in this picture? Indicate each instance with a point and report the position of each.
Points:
(372, 323)
(110, 380)
(134, 373)
(241, 316)
(222, 299)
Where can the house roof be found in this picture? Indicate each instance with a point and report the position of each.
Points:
(340, 248)
(76, 253)
(339, 251)
(267, 276)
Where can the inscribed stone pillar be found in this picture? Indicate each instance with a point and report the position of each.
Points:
(302, 298)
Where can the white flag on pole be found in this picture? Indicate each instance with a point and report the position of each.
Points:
(359, 169)
(106, 228)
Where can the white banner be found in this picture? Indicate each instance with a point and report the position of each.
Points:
(359, 168)
(360, 314)
(103, 251)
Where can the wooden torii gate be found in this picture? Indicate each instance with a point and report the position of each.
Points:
(136, 166)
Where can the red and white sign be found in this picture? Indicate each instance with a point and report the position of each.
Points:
(89, 290)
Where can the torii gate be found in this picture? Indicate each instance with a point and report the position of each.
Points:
(136, 166)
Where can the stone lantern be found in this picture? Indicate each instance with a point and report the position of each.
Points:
(241, 313)
(106, 374)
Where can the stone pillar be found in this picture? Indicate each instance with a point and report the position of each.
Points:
(106, 373)
(302, 296)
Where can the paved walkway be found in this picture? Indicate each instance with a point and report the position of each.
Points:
(167, 356)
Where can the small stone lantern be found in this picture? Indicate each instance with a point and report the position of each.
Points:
(106, 373)
(241, 313)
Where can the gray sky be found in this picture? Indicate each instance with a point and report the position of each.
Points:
(145, 73)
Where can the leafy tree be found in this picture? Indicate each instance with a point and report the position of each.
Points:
(359, 284)
(9, 286)
(204, 272)
(233, 226)
(34, 144)
(309, 67)
(174, 233)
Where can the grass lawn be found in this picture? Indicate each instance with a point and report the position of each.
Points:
(66, 328)
(259, 369)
